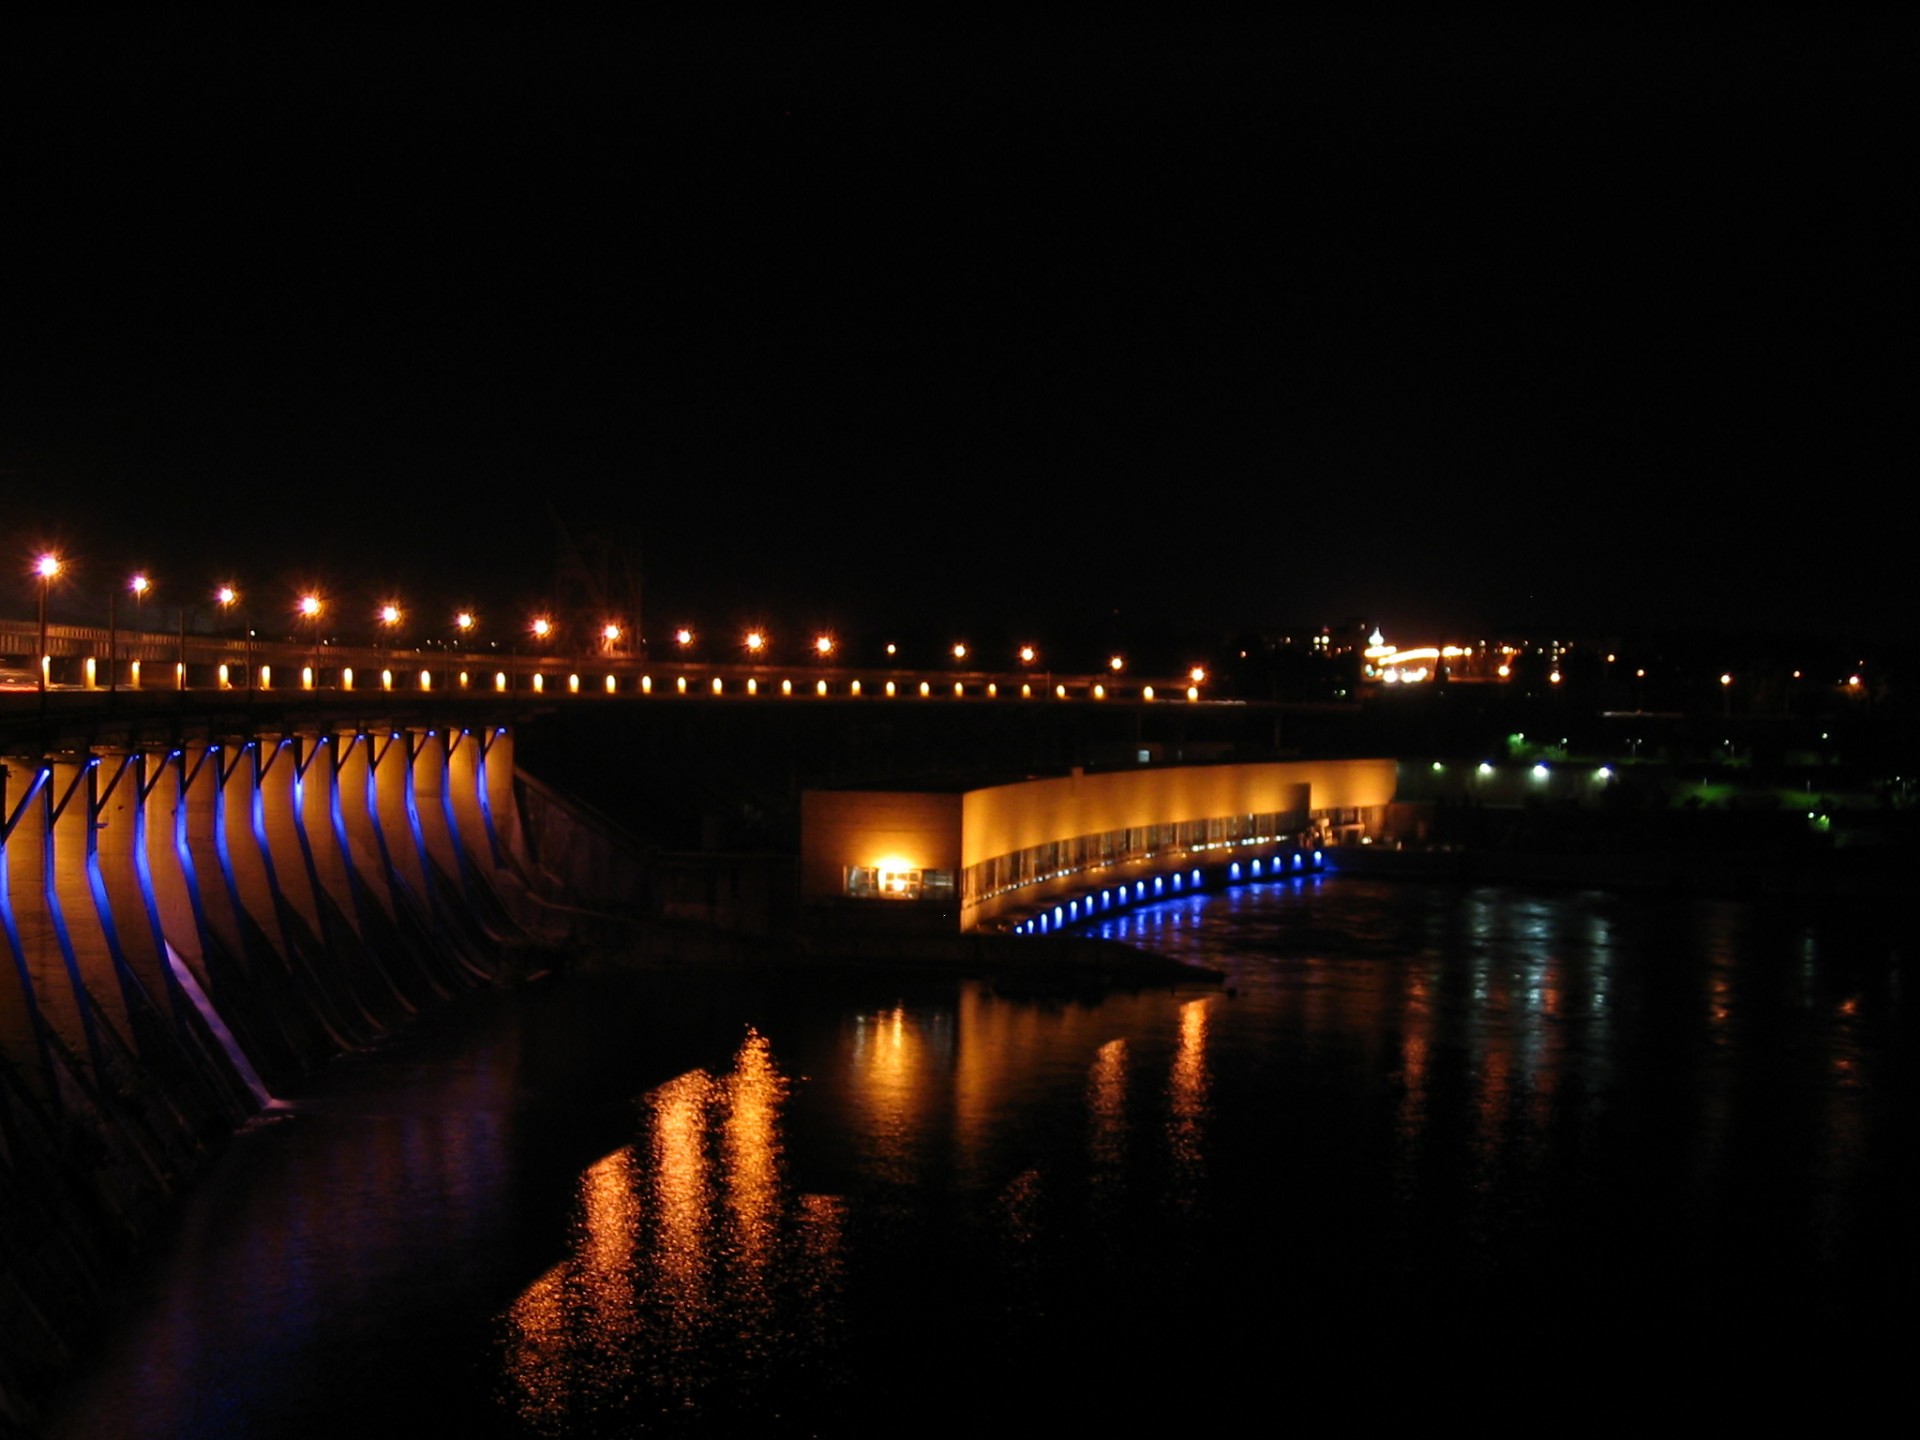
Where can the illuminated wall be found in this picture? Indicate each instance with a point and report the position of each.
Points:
(839, 828)
(1130, 813)
(306, 887)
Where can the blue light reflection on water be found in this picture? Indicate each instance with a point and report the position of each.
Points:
(1423, 1138)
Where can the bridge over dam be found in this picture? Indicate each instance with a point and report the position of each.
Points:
(208, 890)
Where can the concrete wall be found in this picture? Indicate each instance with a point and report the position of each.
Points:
(1009, 818)
(305, 883)
(862, 827)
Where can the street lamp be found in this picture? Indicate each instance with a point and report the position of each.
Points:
(46, 567)
(309, 607)
(228, 598)
(463, 623)
(139, 585)
(389, 616)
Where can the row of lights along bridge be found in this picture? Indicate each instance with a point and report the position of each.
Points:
(611, 637)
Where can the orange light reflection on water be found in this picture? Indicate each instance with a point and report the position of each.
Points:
(674, 1236)
(1187, 1095)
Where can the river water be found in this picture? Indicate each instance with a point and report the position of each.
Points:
(1493, 1154)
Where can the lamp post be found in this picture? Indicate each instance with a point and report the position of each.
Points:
(541, 629)
(309, 608)
(463, 624)
(139, 585)
(389, 616)
(46, 567)
(228, 598)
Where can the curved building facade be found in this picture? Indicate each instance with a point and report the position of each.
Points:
(1001, 855)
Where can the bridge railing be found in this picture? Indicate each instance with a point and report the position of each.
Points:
(93, 658)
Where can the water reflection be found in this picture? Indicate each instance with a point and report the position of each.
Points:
(1107, 1107)
(704, 1282)
(1434, 1126)
(1187, 1085)
(666, 1300)
(893, 1056)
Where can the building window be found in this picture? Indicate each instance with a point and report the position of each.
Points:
(902, 882)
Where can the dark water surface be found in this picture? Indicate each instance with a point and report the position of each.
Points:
(1488, 1154)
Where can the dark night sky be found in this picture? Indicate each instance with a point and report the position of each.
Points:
(961, 324)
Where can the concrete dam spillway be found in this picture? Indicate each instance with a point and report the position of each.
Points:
(191, 928)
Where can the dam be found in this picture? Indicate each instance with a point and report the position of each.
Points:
(201, 904)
